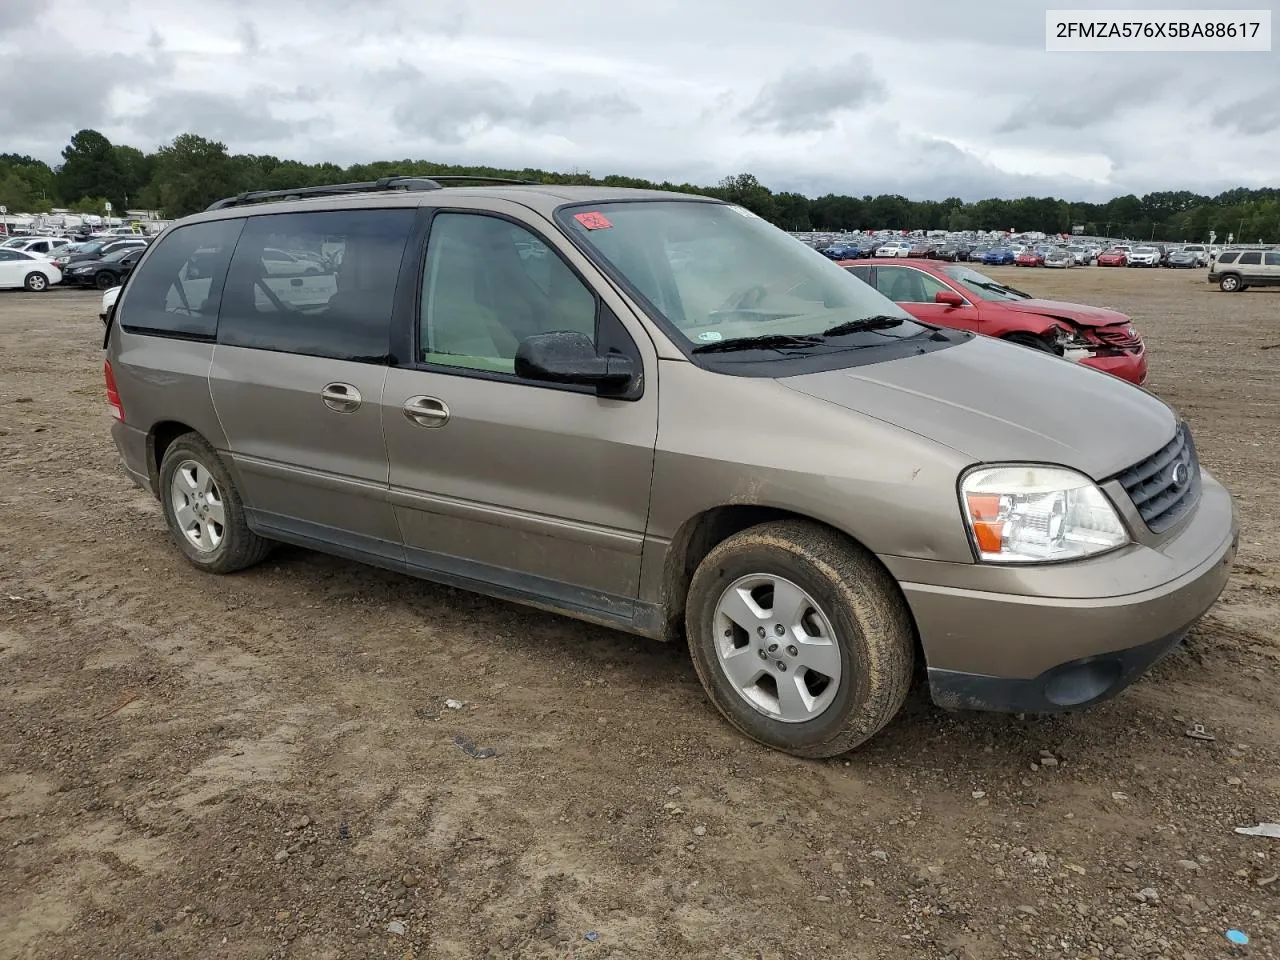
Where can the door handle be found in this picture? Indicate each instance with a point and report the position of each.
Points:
(426, 411)
(342, 397)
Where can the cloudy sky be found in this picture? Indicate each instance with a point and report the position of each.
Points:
(929, 98)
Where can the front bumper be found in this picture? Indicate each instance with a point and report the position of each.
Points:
(1053, 637)
(1126, 366)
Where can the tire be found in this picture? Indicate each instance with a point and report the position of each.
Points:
(104, 280)
(1230, 283)
(1029, 340)
(36, 282)
(850, 619)
(228, 546)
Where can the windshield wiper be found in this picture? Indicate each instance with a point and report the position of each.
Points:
(763, 342)
(881, 321)
(1000, 288)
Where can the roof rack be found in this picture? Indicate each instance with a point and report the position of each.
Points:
(367, 186)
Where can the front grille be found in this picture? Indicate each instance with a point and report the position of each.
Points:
(1118, 337)
(1153, 486)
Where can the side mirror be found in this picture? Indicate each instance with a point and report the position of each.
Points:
(567, 356)
(948, 298)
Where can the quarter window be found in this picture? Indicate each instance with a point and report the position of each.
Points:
(177, 290)
(487, 285)
(905, 285)
(1273, 260)
(319, 284)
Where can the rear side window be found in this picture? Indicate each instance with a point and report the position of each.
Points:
(1228, 257)
(1273, 260)
(320, 284)
(1252, 258)
(177, 290)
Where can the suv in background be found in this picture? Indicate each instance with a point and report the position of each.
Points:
(1235, 270)
(660, 413)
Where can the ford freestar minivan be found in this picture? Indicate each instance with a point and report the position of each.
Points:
(660, 413)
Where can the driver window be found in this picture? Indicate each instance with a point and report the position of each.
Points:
(489, 283)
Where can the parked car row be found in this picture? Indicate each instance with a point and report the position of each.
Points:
(38, 263)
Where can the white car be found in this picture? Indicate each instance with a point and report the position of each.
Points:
(1144, 257)
(41, 246)
(108, 301)
(894, 248)
(26, 270)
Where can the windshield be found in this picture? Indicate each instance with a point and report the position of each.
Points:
(116, 255)
(718, 273)
(982, 286)
(1146, 250)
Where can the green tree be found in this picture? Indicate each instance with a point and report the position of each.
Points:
(90, 169)
(193, 172)
(746, 191)
(135, 173)
(93, 205)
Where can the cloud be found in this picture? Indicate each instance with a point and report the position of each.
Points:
(1064, 109)
(1258, 115)
(62, 105)
(928, 99)
(250, 42)
(449, 110)
(247, 120)
(807, 100)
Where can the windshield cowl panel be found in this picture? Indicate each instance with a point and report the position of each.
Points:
(709, 273)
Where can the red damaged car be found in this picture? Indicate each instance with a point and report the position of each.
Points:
(955, 295)
(1113, 258)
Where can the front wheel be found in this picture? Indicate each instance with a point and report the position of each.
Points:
(36, 282)
(104, 280)
(1229, 284)
(800, 637)
(203, 509)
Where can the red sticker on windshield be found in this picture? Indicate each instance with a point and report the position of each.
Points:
(595, 220)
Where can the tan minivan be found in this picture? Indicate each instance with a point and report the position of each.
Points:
(660, 413)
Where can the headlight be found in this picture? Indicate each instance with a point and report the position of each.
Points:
(1034, 514)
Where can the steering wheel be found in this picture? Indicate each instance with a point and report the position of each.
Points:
(747, 299)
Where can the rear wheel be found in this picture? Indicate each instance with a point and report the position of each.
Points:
(1230, 284)
(36, 282)
(203, 509)
(800, 637)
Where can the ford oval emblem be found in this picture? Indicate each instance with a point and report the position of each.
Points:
(1180, 474)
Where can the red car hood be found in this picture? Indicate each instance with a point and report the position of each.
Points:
(1077, 313)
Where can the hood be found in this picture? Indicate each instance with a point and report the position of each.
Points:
(996, 401)
(1078, 313)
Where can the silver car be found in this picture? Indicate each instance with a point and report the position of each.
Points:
(658, 412)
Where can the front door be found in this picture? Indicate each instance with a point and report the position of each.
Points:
(506, 485)
(915, 291)
(298, 373)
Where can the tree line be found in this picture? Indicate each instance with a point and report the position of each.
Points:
(186, 175)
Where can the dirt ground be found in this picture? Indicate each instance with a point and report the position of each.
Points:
(264, 765)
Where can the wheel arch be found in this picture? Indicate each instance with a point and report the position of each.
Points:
(159, 438)
(704, 531)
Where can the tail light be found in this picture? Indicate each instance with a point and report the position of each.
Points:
(113, 395)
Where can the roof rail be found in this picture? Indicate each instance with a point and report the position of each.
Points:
(463, 178)
(340, 189)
